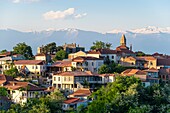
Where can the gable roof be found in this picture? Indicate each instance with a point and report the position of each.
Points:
(130, 72)
(82, 59)
(81, 92)
(77, 73)
(62, 64)
(73, 100)
(103, 51)
(29, 62)
(15, 85)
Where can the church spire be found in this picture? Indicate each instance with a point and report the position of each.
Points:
(123, 40)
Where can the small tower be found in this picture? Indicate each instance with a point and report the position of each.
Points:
(123, 40)
(131, 47)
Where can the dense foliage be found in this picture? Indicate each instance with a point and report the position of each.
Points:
(100, 45)
(112, 68)
(12, 72)
(3, 91)
(23, 49)
(127, 95)
(60, 55)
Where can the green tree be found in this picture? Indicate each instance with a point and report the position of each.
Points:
(100, 45)
(140, 53)
(12, 72)
(3, 51)
(60, 55)
(3, 91)
(23, 49)
(104, 69)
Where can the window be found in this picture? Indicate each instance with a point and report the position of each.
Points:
(32, 67)
(36, 67)
(132, 63)
(69, 79)
(92, 63)
(151, 63)
(18, 67)
(54, 78)
(58, 78)
(112, 57)
(64, 78)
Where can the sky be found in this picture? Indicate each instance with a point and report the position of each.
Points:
(90, 15)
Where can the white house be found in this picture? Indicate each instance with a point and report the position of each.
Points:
(87, 63)
(32, 66)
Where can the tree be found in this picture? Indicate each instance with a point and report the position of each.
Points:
(23, 49)
(60, 55)
(140, 53)
(127, 95)
(3, 51)
(3, 91)
(100, 45)
(12, 72)
(104, 69)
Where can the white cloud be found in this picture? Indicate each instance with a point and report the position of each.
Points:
(58, 14)
(80, 15)
(18, 1)
(70, 12)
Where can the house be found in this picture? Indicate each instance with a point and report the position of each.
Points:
(43, 56)
(72, 48)
(164, 69)
(74, 103)
(151, 62)
(148, 77)
(75, 80)
(133, 62)
(107, 78)
(82, 93)
(8, 53)
(31, 66)
(77, 54)
(6, 62)
(60, 66)
(87, 63)
(105, 53)
(20, 91)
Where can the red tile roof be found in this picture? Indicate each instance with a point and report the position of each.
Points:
(82, 59)
(103, 51)
(73, 100)
(26, 85)
(29, 62)
(78, 73)
(62, 64)
(81, 92)
(130, 72)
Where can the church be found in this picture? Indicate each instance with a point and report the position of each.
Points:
(123, 50)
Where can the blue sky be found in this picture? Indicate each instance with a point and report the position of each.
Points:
(94, 15)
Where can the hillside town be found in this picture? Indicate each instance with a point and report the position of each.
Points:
(75, 72)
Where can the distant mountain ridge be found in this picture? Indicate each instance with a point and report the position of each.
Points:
(149, 39)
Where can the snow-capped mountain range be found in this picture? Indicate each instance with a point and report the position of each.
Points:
(149, 39)
(146, 30)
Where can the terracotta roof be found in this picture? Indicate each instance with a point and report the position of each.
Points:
(165, 62)
(29, 62)
(17, 85)
(106, 75)
(147, 58)
(6, 54)
(82, 59)
(77, 73)
(73, 100)
(5, 78)
(103, 51)
(50, 89)
(62, 64)
(81, 92)
(130, 72)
